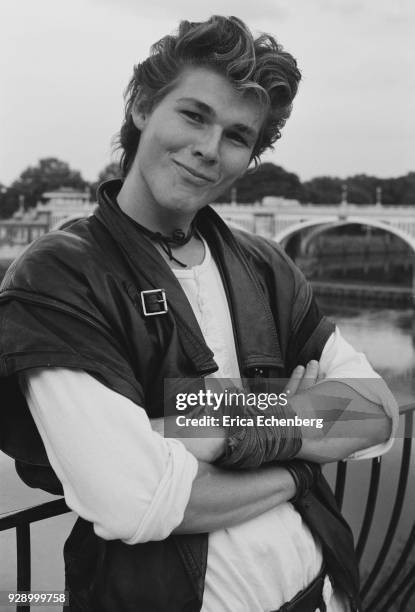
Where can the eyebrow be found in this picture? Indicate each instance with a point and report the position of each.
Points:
(208, 110)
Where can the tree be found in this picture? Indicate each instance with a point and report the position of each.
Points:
(111, 171)
(323, 190)
(9, 202)
(267, 180)
(49, 174)
(407, 195)
(400, 190)
(361, 189)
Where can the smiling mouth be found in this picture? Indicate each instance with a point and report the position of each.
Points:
(194, 173)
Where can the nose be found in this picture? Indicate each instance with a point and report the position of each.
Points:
(207, 146)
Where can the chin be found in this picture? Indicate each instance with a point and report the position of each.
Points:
(184, 207)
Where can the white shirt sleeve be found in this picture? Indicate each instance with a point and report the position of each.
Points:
(340, 360)
(129, 481)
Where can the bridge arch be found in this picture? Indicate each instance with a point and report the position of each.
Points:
(329, 222)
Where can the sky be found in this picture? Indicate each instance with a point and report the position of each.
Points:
(65, 64)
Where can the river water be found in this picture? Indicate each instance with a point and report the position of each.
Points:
(387, 336)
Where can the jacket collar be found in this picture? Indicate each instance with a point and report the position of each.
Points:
(255, 334)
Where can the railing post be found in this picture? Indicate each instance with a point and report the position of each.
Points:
(23, 560)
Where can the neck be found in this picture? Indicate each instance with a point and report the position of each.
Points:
(145, 210)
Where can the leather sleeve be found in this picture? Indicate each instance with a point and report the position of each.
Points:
(37, 336)
(310, 328)
(50, 317)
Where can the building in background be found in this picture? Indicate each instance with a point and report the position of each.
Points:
(64, 204)
(55, 208)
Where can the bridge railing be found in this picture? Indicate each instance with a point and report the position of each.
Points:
(398, 587)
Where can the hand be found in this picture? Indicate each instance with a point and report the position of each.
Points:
(209, 448)
(303, 472)
(302, 378)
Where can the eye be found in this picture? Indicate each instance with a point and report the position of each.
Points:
(196, 117)
(237, 137)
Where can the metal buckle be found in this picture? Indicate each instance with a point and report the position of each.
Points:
(161, 300)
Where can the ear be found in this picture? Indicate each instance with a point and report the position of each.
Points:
(138, 115)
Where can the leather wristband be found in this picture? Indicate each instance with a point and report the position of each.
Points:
(304, 474)
(250, 446)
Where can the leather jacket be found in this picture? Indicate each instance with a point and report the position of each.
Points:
(74, 299)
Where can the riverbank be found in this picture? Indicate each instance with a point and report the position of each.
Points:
(368, 293)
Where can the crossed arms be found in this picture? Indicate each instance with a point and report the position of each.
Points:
(137, 486)
(222, 498)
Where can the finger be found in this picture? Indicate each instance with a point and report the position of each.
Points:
(310, 376)
(295, 379)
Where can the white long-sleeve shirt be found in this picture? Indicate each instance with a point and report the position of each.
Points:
(134, 485)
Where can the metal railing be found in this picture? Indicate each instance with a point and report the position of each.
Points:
(399, 585)
(397, 588)
(21, 521)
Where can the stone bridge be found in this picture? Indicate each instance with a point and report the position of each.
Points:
(280, 222)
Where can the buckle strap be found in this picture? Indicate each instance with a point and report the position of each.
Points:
(154, 302)
(149, 268)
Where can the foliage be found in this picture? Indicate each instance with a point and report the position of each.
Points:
(267, 180)
(110, 171)
(361, 189)
(49, 174)
(9, 202)
(272, 180)
(322, 190)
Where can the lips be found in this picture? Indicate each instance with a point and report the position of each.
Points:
(195, 173)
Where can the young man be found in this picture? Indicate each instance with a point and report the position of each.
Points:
(155, 287)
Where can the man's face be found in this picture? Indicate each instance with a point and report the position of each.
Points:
(195, 143)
